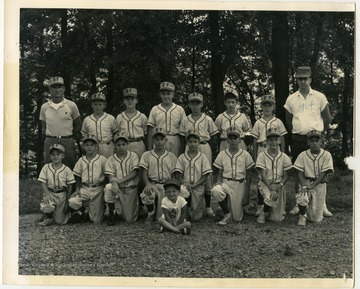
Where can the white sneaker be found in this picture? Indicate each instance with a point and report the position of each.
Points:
(326, 212)
(210, 213)
(302, 221)
(225, 220)
(295, 210)
(259, 211)
(261, 219)
(46, 222)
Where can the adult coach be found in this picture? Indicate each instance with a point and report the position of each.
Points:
(305, 110)
(60, 120)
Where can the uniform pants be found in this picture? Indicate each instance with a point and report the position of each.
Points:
(56, 206)
(317, 202)
(126, 201)
(225, 145)
(106, 150)
(173, 144)
(137, 147)
(92, 199)
(278, 207)
(70, 150)
(197, 199)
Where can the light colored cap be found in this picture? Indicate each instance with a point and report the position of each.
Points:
(130, 92)
(158, 130)
(273, 131)
(56, 80)
(314, 132)
(167, 86)
(268, 98)
(195, 96)
(233, 131)
(89, 137)
(57, 147)
(232, 91)
(172, 182)
(121, 135)
(98, 97)
(303, 71)
(193, 132)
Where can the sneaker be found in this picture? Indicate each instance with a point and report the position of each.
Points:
(225, 220)
(295, 210)
(261, 219)
(162, 230)
(259, 210)
(302, 221)
(111, 220)
(327, 213)
(210, 213)
(150, 218)
(185, 231)
(41, 218)
(284, 213)
(46, 222)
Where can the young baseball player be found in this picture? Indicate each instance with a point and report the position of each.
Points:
(122, 191)
(88, 198)
(232, 118)
(193, 168)
(56, 182)
(207, 129)
(157, 166)
(258, 132)
(133, 123)
(174, 209)
(100, 124)
(313, 166)
(167, 115)
(272, 165)
(232, 165)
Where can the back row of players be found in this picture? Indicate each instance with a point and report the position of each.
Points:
(167, 132)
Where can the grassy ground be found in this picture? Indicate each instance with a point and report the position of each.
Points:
(239, 250)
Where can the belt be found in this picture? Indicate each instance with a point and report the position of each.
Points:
(68, 136)
(128, 187)
(156, 182)
(313, 180)
(239, 181)
(56, 190)
(170, 134)
(92, 186)
(203, 142)
(106, 142)
(135, 139)
(261, 144)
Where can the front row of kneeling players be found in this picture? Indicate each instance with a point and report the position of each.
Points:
(167, 198)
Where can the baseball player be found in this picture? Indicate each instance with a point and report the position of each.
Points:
(273, 166)
(133, 123)
(168, 116)
(56, 181)
(174, 209)
(100, 124)
(157, 166)
(313, 165)
(232, 165)
(123, 171)
(88, 198)
(193, 168)
(207, 129)
(232, 118)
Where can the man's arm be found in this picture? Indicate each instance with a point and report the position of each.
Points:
(43, 128)
(76, 126)
(325, 114)
(288, 120)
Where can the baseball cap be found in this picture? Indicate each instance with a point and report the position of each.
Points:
(273, 131)
(130, 92)
(121, 135)
(231, 91)
(303, 71)
(268, 98)
(159, 130)
(233, 131)
(193, 132)
(56, 80)
(58, 147)
(98, 97)
(167, 86)
(195, 96)
(313, 133)
(172, 182)
(89, 137)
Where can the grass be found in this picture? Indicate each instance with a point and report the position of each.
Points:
(30, 194)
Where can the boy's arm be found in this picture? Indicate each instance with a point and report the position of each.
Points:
(318, 180)
(77, 186)
(254, 147)
(128, 177)
(46, 192)
(200, 182)
(148, 185)
(182, 215)
(302, 179)
(219, 177)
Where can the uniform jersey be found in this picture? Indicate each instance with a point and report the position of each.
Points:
(174, 208)
(205, 126)
(234, 166)
(313, 165)
(120, 168)
(262, 125)
(169, 119)
(135, 126)
(239, 120)
(194, 168)
(274, 166)
(56, 179)
(91, 172)
(103, 127)
(159, 167)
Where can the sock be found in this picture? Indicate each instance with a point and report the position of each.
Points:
(224, 206)
(260, 198)
(266, 208)
(207, 200)
(302, 210)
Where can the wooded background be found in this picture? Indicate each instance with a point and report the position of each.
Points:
(204, 51)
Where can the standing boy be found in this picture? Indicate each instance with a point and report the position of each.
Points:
(88, 198)
(100, 124)
(207, 129)
(122, 170)
(56, 183)
(232, 165)
(272, 165)
(193, 168)
(313, 166)
(167, 115)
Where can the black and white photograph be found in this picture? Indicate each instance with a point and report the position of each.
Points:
(174, 145)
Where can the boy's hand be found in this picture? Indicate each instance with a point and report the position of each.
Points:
(149, 188)
(47, 198)
(115, 187)
(275, 187)
(75, 193)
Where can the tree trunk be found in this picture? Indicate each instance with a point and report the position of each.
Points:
(345, 114)
(65, 47)
(111, 69)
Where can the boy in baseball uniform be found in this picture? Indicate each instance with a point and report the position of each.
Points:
(207, 130)
(258, 132)
(123, 171)
(156, 166)
(273, 166)
(174, 209)
(56, 181)
(193, 168)
(133, 123)
(167, 115)
(100, 124)
(232, 165)
(88, 198)
(232, 118)
(313, 165)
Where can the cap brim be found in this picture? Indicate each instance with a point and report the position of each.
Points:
(233, 133)
(193, 134)
(159, 133)
(130, 95)
(268, 101)
(86, 139)
(273, 134)
(56, 82)
(302, 75)
(196, 99)
(60, 150)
